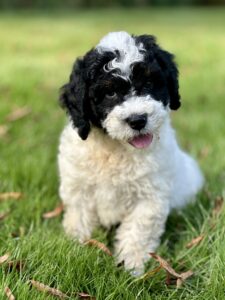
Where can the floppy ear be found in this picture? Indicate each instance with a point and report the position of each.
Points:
(73, 98)
(166, 62)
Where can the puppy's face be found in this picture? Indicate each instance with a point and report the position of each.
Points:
(125, 86)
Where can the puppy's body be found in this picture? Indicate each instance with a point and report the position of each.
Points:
(105, 180)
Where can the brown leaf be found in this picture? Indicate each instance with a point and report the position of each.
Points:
(218, 205)
(4, 258)
(184, 276)
(99, 245)
(3, 130)
(10, 195)
(9, 293)
(180, 278)
(4, 215)
(179, 282)
(47, 289)
(85, 296)
(18, 113)
(195, 241)
(165, 265)
(54, 213)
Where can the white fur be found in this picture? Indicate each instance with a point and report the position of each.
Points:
(129, 52)
(104, 180)
(118, 128)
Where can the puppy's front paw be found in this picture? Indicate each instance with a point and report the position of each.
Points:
(74, 229)
(133, 260)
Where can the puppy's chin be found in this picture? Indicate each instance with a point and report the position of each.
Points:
(141, 141)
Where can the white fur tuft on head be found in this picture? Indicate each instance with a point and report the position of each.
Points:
(129, 52)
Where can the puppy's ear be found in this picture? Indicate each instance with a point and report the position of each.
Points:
(73, 98)
(167, 64)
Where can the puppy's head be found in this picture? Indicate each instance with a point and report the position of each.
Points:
(124, 86)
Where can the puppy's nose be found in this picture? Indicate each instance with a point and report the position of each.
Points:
(137, 121)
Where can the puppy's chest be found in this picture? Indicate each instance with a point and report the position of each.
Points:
(118, 183)
(115, 182)
(115, 168)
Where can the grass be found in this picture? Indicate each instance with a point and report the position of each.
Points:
(37, 51)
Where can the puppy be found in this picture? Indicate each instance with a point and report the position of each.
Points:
(119, 161)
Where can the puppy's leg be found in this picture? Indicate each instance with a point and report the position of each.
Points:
(139, 234)
(80, 217)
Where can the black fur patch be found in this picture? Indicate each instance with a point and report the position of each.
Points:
(160, 76)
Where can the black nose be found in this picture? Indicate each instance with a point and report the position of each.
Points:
(137, 121)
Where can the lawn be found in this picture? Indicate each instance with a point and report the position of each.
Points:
(37, 51)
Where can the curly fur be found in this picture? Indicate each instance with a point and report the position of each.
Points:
(104, 180)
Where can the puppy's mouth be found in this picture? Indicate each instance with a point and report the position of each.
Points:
(141, 141)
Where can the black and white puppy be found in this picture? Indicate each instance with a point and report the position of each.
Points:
(130, 169)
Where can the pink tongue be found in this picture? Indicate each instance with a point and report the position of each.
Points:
(141, 141)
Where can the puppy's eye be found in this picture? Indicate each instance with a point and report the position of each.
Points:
(111, 95)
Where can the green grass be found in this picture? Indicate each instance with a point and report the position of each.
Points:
(37, 51)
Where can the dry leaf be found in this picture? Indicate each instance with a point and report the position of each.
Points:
(3, 130)
(165, 265)
(18, 113)
(10, 195)
(99, 245)
(4, 215)
(218, 205)
(9, 293)
(179, 282)
(195, 241)
(4, 258)
(85, 296)
(180, 278)
(184, 276)
(45, 288)
(54, 213)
